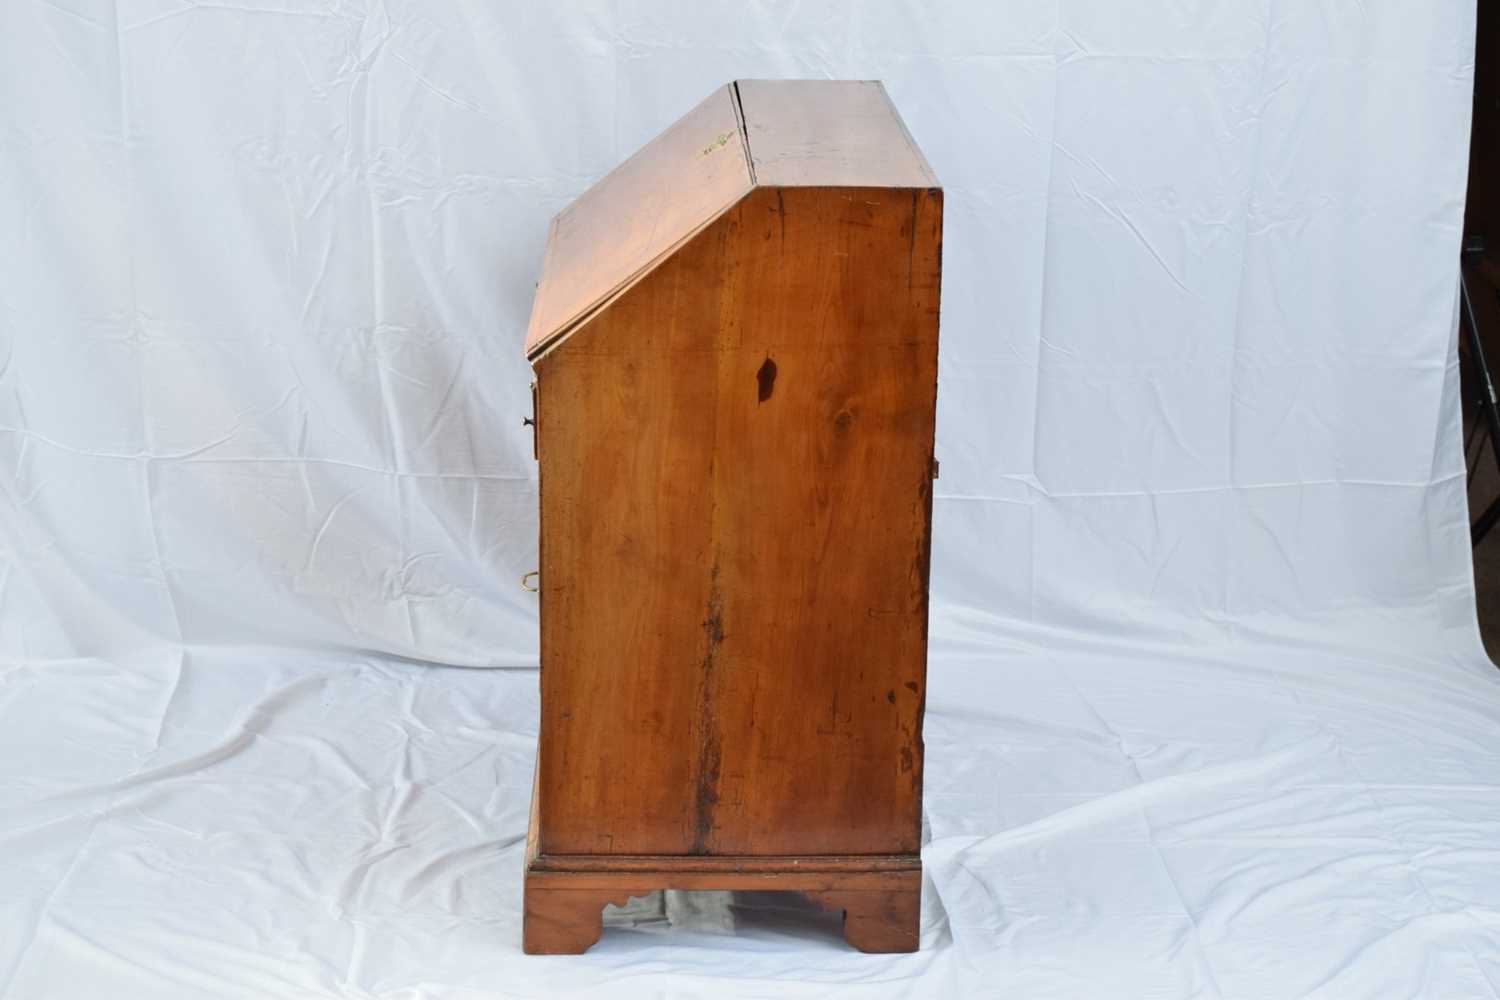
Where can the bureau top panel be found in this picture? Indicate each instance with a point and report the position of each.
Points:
(675, 185)
(768, 133)
(828, 133)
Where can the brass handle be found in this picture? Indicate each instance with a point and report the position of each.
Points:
(534, 573)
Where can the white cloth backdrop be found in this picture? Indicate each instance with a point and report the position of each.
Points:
(1208, 713)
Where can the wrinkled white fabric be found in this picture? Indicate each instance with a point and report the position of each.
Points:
(1208, 716)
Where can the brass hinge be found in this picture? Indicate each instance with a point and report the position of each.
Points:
(531, 422)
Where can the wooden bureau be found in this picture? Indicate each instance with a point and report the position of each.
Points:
(735, 343)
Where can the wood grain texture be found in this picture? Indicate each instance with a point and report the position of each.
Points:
(564, 911)
(879, 921)
(770, 133)
(672, 187)
(566, 921)
(829, 132)
(734, 416)
(565, 895)
(768, 880)
(736, 464)
(735, 864)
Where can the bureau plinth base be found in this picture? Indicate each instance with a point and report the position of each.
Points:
(566, 894)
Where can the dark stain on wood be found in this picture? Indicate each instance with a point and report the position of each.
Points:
(911, 239)
(765, 380)
(922, 567)
(706, 786)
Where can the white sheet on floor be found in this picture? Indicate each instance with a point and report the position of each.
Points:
(1208, 715)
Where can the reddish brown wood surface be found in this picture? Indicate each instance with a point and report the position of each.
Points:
(566, 919)
(677, 183)
(731, 864)
(789, 878)
(565, 894)
(828, 132)
(736, 471)
(879, 920)
(771, 133)
(562, 921)
(564, 910)
(734, 420)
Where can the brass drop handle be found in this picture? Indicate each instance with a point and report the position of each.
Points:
(528, 587)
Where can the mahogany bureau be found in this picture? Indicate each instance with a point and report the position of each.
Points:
(735, 342)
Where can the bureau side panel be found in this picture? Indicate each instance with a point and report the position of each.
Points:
(736, 459)
(824, 421)
(627, 442)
